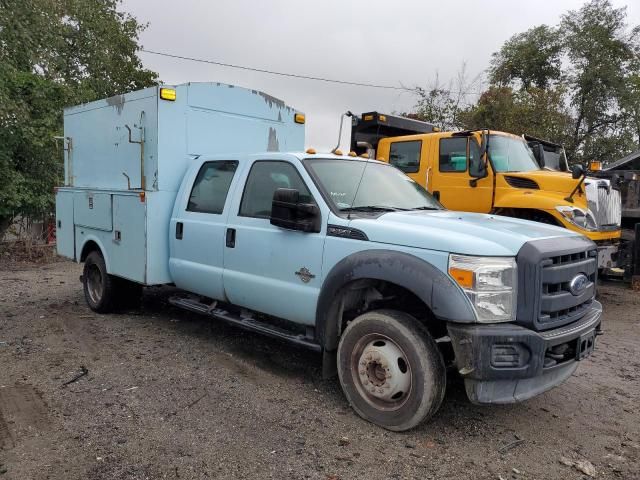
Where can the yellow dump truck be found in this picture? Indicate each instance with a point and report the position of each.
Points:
(492, 172)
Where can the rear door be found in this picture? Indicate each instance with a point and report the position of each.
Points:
(451, 182)
(267, 268)
(197, 229)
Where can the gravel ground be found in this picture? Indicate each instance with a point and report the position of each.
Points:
(168, 394)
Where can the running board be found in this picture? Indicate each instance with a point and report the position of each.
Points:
(246, 323)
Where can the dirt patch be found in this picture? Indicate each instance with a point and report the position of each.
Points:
(22, 412)
(170, 394)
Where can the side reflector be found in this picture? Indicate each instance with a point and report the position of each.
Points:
(464, 278)
(142, 196)
(311, 151)
(168, 94)
(299, 118)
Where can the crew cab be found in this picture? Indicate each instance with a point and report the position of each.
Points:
(339, 254)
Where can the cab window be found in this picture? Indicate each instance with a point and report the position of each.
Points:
(211, 187)
(406, 155)
(453, 154)
(265, 177)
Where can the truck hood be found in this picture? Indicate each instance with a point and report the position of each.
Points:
(456, 232)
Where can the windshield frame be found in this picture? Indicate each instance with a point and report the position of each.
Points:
(306, 163)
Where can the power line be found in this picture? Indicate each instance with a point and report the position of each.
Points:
(282, 74)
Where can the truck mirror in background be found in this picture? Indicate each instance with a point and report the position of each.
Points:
(577, 171)
(288, 212)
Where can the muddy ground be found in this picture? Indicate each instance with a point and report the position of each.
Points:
(168, 394)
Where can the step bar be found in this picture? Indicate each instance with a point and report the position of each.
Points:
(246, 323)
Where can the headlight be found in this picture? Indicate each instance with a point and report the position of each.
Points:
(490, 283)
(579, 217)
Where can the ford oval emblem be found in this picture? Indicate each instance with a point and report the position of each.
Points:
(578, 284)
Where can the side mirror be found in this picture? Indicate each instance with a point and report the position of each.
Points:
(479, 170)
(288, 212)
(577, 171)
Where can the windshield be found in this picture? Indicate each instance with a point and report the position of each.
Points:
(509, 154)
(382, 187)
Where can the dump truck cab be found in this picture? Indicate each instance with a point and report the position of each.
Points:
(488, 171)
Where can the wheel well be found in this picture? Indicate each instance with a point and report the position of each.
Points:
(529, 214)
(362, 295)
(89, 247)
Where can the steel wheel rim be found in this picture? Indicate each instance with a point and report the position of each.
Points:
(95, 285)
(381, 372)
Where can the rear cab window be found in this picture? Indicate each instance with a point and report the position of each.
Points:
(211, 187)
(406, 155)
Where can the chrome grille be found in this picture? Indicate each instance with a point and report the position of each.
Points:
(605, 204)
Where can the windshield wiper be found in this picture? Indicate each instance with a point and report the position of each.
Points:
(372, 208)
(425, 208)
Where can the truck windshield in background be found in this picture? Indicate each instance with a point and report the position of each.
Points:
(354, 184)
(510, 154)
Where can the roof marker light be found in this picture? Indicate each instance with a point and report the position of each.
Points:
(311, 151)
(168, 94)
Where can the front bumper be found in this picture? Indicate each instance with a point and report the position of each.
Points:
(507, 363)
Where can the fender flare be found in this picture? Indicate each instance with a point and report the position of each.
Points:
(436, 289)
(103, 251)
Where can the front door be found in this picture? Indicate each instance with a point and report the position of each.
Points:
(451, 181)
(267, 268)
(197, 230)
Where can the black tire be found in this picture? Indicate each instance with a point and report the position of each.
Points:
(367, 362)
(100, 288)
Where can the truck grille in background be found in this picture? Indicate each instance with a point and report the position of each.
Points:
(557, 304)
(605, 203)
(546, 268)
(520, 182)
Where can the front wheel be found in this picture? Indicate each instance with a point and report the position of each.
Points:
(391, 370)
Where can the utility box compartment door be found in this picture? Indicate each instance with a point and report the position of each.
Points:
(93, 210)
(65, 240)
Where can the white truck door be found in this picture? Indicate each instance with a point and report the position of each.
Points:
(198, 227)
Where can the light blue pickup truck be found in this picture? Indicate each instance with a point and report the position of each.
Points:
(340, 254)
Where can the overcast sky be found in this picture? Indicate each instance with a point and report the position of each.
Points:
(404, 42)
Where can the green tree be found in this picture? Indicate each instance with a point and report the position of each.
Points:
(55, 53)
(587, 69)
(534, 111)
(533, 58)
(602, 55)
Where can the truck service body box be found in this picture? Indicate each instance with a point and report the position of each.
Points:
(120, 184)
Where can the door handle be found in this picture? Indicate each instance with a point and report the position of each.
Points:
(179, 230)
(231, 237)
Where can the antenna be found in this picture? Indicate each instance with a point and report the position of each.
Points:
(355, 195)
(346, 114)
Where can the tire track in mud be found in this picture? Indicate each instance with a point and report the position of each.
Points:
(22, 412)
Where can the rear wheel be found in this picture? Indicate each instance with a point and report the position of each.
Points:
(391, 370)
(100, 290)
